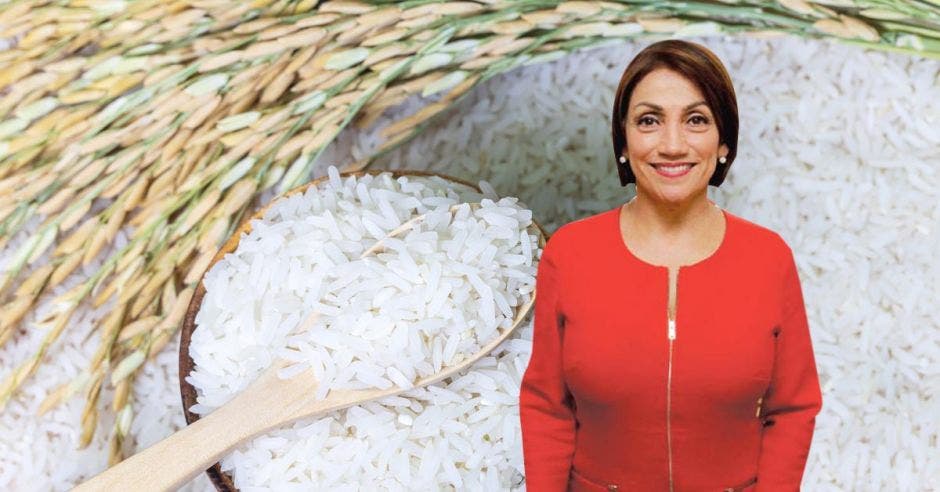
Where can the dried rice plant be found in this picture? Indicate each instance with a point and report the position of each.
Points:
(183, 113)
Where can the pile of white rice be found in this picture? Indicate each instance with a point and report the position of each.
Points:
(436, 295)
(838, 152)
(440, 291)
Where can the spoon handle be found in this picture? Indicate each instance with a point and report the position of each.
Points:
(177, 459)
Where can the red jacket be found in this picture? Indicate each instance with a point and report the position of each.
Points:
(609, 402)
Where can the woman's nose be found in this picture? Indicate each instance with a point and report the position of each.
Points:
(673, 140)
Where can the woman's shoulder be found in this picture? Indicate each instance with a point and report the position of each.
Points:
(585, 229)
(756, 236)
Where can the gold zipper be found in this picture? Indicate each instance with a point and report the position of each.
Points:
(671, 334)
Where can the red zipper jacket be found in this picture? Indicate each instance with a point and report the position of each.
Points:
(611, 401)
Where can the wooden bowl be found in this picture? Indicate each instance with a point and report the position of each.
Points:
(220, 479)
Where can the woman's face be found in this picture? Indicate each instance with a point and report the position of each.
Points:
(668, 122)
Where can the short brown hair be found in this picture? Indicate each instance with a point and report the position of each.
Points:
(703, 68)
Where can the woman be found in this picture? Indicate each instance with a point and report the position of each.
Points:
(677, 354)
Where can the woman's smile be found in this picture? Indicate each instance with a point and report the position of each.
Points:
(673, 170)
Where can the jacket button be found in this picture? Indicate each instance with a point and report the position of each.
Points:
(612, 487)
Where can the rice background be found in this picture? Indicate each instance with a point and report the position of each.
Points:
(839, 151)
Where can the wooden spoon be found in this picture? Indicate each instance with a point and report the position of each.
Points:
(267, 403)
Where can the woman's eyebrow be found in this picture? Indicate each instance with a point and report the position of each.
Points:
(660, 108)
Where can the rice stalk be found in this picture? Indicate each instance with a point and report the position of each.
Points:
(124, 415)
(89, 419)
(154, 339)
(64, 392)
(184, 113)
(66, 304)
(100, 366)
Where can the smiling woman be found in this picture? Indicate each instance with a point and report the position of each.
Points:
(634, 383)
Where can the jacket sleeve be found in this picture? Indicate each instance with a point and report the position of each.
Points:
(546, 408)
(793, 397)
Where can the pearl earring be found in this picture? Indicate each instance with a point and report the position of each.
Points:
(623, 160)
(722, 159)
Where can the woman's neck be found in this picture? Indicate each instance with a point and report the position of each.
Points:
(653, 218)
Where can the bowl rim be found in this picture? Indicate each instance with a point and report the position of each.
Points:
(222, 480)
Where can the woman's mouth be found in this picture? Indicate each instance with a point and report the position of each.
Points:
(673, 170)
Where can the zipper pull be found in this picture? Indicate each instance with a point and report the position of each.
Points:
(672, 329)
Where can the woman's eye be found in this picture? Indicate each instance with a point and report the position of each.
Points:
(698, 120)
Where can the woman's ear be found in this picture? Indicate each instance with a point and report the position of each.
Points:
(723, 150)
